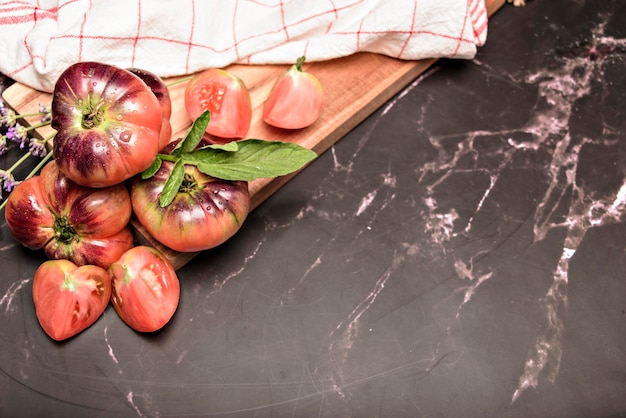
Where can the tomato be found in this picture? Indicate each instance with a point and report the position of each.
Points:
(108, 124)
(204, 213)
(295, 101)
(162, 93)
(69, 298)
(69, 221)
(226, 97)
(146, 289)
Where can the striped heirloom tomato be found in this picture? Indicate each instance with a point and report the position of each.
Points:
(108, 124)
(68, 221)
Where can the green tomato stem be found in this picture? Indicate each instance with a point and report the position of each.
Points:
(299, 63)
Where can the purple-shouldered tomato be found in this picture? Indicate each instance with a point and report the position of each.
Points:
(162, 93)
(204, 213)
(226, 97)
(69, 298)
(108, 123)
(82, 224)
(146, 289)
(296, 99)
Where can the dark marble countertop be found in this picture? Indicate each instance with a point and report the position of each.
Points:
(462, 252)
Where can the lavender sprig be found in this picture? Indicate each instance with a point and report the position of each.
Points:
(13, 134)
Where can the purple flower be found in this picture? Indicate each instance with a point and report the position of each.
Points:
(7, 180)
(7, 117)
(37, 148)
(18, 134)
(46, 114)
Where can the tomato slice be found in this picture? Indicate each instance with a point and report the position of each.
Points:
(68, 298)
(146, 289)
(226, 97)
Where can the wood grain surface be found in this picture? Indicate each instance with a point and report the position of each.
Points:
(354, 87)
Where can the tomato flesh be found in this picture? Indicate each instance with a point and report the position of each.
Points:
(226, 97)
(68, 298)
(146, 290)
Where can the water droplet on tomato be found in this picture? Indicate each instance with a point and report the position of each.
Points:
(126, 136)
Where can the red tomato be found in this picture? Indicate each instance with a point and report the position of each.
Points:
(108, 123)
(81, 224)
(68, 298)
(226, 97)
(205, 212)
(146, 289)
(295, 101)
(162, 93)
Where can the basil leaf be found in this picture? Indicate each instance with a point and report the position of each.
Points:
(172, 184)
(194, 135)
(231, 146)
(254, 159)
(152, 170)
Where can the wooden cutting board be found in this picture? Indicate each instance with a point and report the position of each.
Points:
(354, 87)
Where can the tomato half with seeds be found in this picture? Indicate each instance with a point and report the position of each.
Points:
(108, 124)
(146, 289)
(226, 97)
(69, 298)
(204, 213)
(68, 221)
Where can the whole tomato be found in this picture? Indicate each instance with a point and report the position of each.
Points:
(162, 93)
(204, 213)
(108, 124)
(69, 298)
(296, 99)
(69, 221)
(146, 289)
(226, 97)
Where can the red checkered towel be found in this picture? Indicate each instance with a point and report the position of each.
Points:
(40, 38)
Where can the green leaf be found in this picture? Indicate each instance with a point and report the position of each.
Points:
(254, 159)
(231, 146)
(173, 183)
(152, 170)
(194, 135)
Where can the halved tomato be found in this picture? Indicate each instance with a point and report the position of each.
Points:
(68, 298)
(226, 97)
(146, 289)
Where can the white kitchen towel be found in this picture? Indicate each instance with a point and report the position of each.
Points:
(40, 38)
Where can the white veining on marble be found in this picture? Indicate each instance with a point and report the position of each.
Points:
(110, 351)
(346, 333)
(130, 397)
(560, 88)
(12, 291)
(365, 202)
